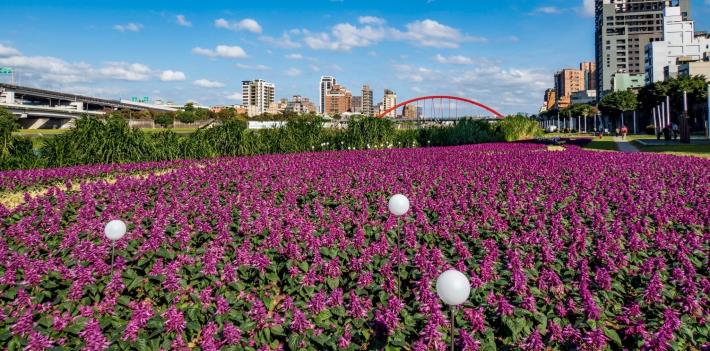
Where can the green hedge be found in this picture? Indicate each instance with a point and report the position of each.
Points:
(98, 141)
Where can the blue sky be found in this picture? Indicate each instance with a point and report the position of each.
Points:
(502, 53)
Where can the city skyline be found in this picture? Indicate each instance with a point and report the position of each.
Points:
(425, 48)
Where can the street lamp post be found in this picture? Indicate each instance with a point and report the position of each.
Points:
(685, 121)
(399, 206)
(453, 289)
(114, 231)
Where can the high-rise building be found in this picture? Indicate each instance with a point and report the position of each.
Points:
(337, 100)
(367, 101)
(590, 75)
(300, 105)
(326, 84)
(356, 104)
(567, 82)
(258, 96)
(389, 101)
(410, 112)
(623, 29)
(679, 45)
(550, 99)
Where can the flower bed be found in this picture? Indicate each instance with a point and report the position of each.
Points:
(570, 249)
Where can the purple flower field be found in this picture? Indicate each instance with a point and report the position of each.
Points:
(565, 250)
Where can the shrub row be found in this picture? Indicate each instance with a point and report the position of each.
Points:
(111, 140)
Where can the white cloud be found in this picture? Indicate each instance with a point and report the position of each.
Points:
(293, 72)
(172, 76)
(547, 10)
(589, 7)
(294, 57)
(182, 21)
(126, 71)
(235, 96)
(7, 51)
(432, 33)
(509, 89)
(371, 20)
(129, 27)
(247, 24)
(456, 60)
(253, 68)
(284, 42)
(221, 51)
(47, 69)
(209, 84)
(346, 36)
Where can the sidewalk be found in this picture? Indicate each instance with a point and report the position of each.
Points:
(625, 145)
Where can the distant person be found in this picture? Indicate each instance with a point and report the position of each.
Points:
(624, 132)
(668, 133)
(618, 131)
(676, 131)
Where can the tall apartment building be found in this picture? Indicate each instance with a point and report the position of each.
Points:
(326, 84)
(550, 99)
(679, 45)
(337, 100)
(567, 82)
(410, 112)
(389, 101)
(300, 105)
(623, 29)
(590, 75)
(367, 101)
(258, 96)
(356, 104)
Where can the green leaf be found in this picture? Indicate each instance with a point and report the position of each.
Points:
(613, 335)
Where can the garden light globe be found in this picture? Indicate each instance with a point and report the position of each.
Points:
(453, 287)
(115, 230)
(399, 205)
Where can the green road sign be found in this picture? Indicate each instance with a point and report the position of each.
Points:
(5, 70)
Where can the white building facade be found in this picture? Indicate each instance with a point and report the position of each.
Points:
(258, 97)
(389, 101)
(326, 84)
(679, 44)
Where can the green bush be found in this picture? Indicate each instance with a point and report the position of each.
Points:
(107, 141)
(369, 132)
(514, 128)
(94, 141)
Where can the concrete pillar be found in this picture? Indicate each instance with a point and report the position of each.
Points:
(38, 123)
(9, 97)
(67, 123)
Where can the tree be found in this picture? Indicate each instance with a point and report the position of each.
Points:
(618, 102)
(8, 124)
(654, 94)
(186, 117)
(164, 119)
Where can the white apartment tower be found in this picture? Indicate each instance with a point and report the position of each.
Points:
(679, 45)
(389, 101)
(257, 96)
(326, 84)
(367, 102)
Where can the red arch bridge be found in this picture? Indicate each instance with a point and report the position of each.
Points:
(440, 107)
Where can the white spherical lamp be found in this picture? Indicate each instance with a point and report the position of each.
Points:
(399, 205)
(453, 287)
(115, 230)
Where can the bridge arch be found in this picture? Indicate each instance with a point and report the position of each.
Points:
(441, 97)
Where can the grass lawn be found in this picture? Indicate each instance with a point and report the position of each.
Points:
(604, 144)
(682, 150)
